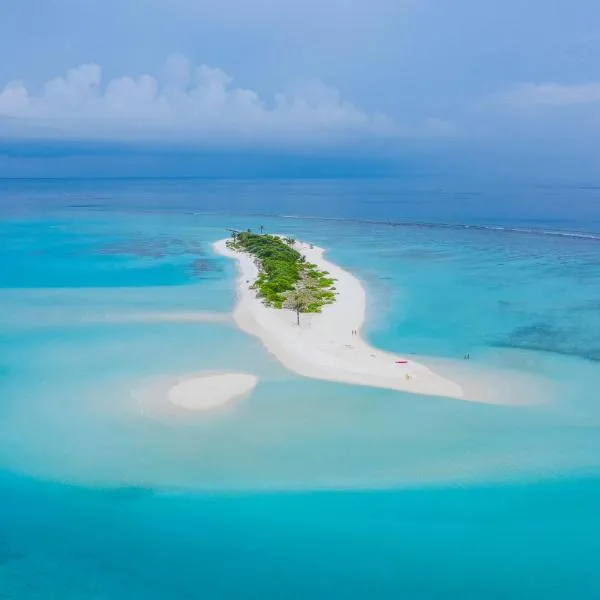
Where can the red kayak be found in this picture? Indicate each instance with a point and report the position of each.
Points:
(402, 362)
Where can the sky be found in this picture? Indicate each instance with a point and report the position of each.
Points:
(508, 87)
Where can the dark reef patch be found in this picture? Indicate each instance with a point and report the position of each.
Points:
(201, 266)
(153, 248)
(8, 554)
(543, 336)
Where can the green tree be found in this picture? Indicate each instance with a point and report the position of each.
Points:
(299, 300)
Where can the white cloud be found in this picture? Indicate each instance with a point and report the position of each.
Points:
(551, 94)
(185, 103)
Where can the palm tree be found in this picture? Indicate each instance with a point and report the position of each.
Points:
(299, 300)
(290, 241)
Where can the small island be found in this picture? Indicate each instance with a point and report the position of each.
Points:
(327, 343)
(285, 278)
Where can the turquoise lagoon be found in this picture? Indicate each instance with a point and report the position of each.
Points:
(306, 489)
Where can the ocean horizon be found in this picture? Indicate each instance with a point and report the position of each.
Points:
(305, 488)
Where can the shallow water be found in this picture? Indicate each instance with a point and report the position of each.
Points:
(104, 478)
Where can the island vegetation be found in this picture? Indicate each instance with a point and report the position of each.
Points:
(286, 279)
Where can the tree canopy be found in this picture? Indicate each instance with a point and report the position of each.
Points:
(285, 278)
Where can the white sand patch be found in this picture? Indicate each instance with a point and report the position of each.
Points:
(211, 391)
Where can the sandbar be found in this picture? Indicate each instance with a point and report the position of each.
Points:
(207, 392)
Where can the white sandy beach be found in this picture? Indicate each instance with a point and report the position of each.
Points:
(323, 346)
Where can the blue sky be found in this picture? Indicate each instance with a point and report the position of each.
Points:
(510, 86)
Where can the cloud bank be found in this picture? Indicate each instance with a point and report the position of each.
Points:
(529, 95)
(187, 102)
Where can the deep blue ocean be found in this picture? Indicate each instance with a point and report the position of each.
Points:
(305, 489)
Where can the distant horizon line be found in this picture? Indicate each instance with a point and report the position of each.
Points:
(528, 182)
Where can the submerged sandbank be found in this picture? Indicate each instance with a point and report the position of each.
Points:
(164, 316)
(328, 345)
